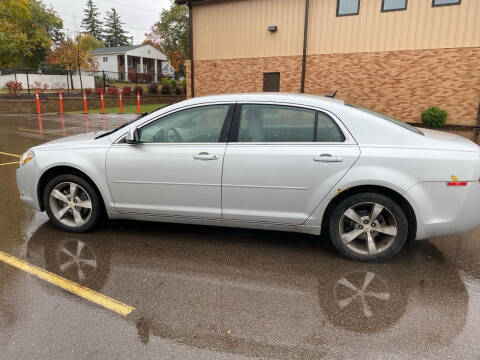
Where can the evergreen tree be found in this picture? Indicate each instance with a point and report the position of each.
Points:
(90, 21)
(113, 31)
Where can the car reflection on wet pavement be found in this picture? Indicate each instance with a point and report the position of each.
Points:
(206, 292)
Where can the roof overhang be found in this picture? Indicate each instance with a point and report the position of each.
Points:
(184, 2)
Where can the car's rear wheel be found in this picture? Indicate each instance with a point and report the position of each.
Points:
(368, 227)
(72, 204)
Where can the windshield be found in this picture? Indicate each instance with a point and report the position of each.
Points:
(385, 117)
(129, 122)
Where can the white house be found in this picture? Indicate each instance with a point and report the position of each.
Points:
(145, 63)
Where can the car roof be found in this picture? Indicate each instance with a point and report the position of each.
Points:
(291, 98)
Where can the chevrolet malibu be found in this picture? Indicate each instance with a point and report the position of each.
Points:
(269, 161)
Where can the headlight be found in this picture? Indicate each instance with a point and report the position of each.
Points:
(26, 157)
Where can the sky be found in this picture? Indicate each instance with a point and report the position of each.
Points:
(138, 16)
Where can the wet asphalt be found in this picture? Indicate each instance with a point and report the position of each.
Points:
(220, 293)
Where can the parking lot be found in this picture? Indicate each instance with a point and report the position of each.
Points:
(217, 293)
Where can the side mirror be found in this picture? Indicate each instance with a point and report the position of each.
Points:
(132, 136)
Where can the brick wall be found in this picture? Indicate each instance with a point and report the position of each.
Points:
(398, 83)
(51, 105)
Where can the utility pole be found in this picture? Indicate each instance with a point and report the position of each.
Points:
(78, 61)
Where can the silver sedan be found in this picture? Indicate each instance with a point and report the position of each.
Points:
(270, 161)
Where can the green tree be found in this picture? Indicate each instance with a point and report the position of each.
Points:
(171, 34)
(113, 32)
(74, 54)
(27, 30)
(90, 21)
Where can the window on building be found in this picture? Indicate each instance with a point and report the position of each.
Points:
(445, 2)
(394, 5)
(271, 82)
(348, 7)
(130, 61)
(105, 59)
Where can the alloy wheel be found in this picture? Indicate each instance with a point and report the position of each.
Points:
(70, 204)
(368, 228)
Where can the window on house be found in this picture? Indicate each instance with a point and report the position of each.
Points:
(105, 59)
(130, 61)
(445, 2)
(348, 7)
(394, 5)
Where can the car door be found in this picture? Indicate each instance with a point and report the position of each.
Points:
(281, 161)
(176, 166)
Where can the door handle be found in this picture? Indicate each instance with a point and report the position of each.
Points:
(205, 156)
(327, 158)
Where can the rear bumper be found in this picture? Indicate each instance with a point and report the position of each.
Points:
(445, 210)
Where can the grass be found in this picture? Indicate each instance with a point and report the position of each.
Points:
(127, 109)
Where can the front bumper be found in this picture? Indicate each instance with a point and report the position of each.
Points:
(445, 210)
(27, 184)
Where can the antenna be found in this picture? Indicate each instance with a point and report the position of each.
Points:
(332, 95)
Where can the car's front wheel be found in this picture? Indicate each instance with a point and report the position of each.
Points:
(368, 227)
(72, 204)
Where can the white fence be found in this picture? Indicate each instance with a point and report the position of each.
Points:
(52, 81)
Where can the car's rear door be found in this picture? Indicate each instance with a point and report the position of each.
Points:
(281, 161)
(176, 167)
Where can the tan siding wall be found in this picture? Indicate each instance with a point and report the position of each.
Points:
(418, 27)
(238, 28)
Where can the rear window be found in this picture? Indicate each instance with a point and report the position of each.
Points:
(385, 117)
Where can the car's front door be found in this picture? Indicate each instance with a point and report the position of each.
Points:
(176, 167)
(282, 161)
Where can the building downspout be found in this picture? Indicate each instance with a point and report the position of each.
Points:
(305, 38)
(192, 68)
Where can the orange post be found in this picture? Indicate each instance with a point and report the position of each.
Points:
(38, 101)
(85, 109)
(103, 105)
(61, 101)
(138, 102)
(121, 102)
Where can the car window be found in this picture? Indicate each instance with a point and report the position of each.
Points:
(276, 123)
(195, 125)
(328, 130)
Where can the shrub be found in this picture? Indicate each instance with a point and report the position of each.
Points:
(137, 89)
(173, 83)
(434, 117)
(127, 90)
(184, 84)
(14, 87)
(112, 90)
(166, 86)
(179, 90)
(88, 91)
(153, 88)
(98, 91)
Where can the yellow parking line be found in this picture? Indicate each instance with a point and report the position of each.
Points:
(5, 153)
(9, 163)
(42, 131)
(68, 285)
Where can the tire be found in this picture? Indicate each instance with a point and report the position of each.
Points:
(356, 237)
(84, 209)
